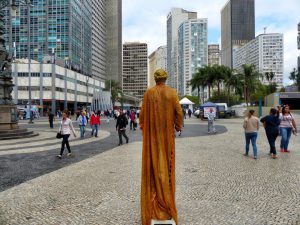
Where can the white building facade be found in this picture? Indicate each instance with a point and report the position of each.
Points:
(56, 88)
(192, 52)
(266, 53)
(157, 60)
(174, 20)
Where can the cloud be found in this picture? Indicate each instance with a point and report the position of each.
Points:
(145, 21)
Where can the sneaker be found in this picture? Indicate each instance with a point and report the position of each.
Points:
(245, 154)
(69, 154)
(127, 140)
(58, 156)
(119, 144)
(255, 157)
(281, 150)
(274, 156)
(287, 151)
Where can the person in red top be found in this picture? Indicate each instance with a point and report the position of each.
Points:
(132, 118)
(95, 123)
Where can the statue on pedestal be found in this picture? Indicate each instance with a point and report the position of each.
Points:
(160, 116)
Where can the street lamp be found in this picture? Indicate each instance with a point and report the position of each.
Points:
(14, 8)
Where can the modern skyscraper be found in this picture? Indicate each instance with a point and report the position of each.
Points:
(135, 68)
(213, 54)
(266, 53)
(237, 27)
(157, 60)
(192, 51)
(99, 48)
(114, 40)
(174, 19)
(57, 28)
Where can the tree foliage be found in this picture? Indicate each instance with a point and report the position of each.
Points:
(116, 90)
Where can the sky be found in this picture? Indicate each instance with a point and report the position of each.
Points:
(145, 21)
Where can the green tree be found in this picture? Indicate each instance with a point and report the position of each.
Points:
(295, 77)
(198, 80)
(116, 91)
(250, 80)
(234, 82)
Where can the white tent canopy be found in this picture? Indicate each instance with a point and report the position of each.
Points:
(186, 101)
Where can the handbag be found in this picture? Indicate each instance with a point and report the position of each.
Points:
(59, 135)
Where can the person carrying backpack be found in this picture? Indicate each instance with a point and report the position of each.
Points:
(121, 127)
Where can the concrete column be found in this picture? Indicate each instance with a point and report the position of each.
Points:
(15, 88)
(75, 103)
(41, 87)
(66, 91)
(53, 100)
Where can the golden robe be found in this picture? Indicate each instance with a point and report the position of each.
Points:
(160, 114)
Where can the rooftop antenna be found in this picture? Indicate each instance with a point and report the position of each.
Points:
(265, 29)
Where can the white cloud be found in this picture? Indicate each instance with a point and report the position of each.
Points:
(145, 21)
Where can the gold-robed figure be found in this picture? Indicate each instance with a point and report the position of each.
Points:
(160, 116)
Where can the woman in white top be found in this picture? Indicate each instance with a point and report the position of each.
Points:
(65, 129)
(287, 126)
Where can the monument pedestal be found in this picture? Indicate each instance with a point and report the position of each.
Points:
(9, 128)
(163, 222)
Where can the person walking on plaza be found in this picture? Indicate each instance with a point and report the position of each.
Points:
(95, 122)
(82, 122)
(287, 127)
(190, 113)
(251, 127)
(161, 113)
(65, 129)
(271, 123)
(121, 127)
(51, 118)
(211, 121)
(132, 118)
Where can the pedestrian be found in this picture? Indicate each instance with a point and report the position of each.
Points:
(132, 118)
(121, 127)
(51, 118)
(211, 121)
(287, 127)
(251, 127)
(138, 113)
(82, 122)
(271, 123)
(190, 113)
(88, 115)
(95, 122)
(65, 129)
(160, 115)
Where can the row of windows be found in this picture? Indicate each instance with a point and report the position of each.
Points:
(34, 74)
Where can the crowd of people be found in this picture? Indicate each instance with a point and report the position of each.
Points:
(279, 122)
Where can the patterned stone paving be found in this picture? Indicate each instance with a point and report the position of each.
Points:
(216, 184)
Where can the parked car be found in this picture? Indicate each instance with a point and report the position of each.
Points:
(223, 111)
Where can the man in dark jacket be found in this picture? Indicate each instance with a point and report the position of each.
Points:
(121, 127)
(51, 118)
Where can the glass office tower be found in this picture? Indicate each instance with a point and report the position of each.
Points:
(60, 32)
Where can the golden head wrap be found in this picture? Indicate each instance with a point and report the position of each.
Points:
(160, 74)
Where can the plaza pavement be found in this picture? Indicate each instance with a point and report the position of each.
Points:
(216, 184)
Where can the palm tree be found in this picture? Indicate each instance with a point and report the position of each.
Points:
(269, 76)
(233, 80)
(209, 77)
(198, 81)
(115, 89)
(250, 80)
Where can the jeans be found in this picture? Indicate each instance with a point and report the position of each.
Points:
(95, 127)
(122, 133)
(211, 126)
(271, 139)
(132, 124)
(65, 141)
(286, 133)
(82, 131)
(251, 137)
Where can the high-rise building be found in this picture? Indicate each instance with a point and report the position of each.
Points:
(60, 29)
(135, 68)
(114, 40)
(192, 52)
(213, 54)
(266, 53)
(174, 19)
(99, 48)
(157, 60)
(237, 27)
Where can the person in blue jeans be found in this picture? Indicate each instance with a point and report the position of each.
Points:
(82, 121)
(251, 127)
(287, 126)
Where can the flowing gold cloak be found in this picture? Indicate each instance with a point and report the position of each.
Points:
(160, 114)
